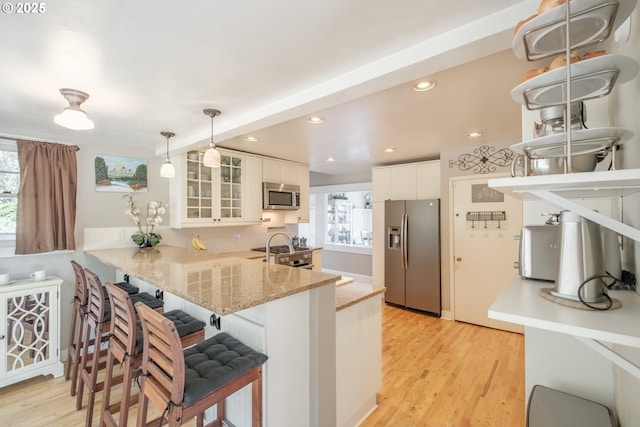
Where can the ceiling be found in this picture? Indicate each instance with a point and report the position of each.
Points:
(154, 65)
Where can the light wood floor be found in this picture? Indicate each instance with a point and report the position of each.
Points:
(436, 373)
(439, 373)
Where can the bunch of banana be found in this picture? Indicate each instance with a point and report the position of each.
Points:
(197, 244)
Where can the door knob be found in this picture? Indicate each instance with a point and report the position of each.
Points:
(458, 259)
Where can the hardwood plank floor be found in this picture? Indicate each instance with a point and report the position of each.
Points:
(439, 373)
(436, 373)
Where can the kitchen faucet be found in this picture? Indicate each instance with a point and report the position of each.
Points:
(282, 234)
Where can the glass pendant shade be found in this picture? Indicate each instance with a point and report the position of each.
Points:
(167, 170)
(211, 157)
(74, 119)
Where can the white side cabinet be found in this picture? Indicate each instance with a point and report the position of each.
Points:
(30, 330)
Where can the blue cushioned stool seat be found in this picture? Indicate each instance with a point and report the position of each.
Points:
(215, 362)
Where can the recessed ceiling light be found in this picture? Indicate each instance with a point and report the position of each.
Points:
(315, 119)
(474, 134)
(331, 159)
(251, 139)
(389, 150)
(424, 85)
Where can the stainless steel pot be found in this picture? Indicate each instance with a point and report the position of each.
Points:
(528, 166)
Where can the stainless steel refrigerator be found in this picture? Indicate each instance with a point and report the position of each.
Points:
(412, 254)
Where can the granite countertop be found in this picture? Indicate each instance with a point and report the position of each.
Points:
(353, 293)
(221, 283)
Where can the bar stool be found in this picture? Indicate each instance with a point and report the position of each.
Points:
(125, 348)
(98, 323)
(183, 384)
(78, 315)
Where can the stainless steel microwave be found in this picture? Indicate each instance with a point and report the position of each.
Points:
(280, 196)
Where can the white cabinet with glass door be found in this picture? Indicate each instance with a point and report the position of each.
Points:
(29, 330)
(216, 196)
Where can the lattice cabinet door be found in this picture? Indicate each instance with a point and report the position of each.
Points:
(29, 330)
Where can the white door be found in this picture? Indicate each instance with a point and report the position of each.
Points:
(484, 249)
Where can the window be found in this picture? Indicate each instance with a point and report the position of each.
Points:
(9, 185)
(341, 218)
(349, 219)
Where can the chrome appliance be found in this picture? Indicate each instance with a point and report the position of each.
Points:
(538, 252)
(412, 254)
(280, 196)
(580, 260)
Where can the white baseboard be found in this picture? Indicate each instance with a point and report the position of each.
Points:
(446, 315)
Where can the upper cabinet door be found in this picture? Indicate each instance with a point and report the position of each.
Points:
(403, 182)
(428, 180)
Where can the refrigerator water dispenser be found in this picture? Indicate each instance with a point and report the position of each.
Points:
(394, 238)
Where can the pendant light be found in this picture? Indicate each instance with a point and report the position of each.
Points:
(211, 157)
(167, 170)
(73, 117)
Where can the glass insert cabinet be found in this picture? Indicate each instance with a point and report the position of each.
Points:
(29, 335)
(214, 194)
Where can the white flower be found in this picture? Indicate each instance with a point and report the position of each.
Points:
(155, 210)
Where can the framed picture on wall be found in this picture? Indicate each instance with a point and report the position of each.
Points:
(120, 174)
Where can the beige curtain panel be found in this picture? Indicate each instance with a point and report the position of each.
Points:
(47, 197)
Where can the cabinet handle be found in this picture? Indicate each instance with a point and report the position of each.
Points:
(1, 337)
(458, 259)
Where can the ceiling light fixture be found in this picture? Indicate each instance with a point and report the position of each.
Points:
(424, 85)
(389, 150)
(474, 134)
(251, 139)
(73, 117)
(167, 170)
(211, 157)
(331, 159)
(315, 119)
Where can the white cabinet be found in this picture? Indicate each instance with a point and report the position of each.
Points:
(410, 181)
(203, 196)
(301, 214)
(381, 183)
(29, 330)
(252, 189)
(428, 180)
(280, 171)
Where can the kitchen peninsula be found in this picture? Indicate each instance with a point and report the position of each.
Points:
(287, 313)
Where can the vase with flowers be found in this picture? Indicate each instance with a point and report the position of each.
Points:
(145, 238)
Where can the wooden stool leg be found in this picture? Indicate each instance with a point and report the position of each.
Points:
(106, 393)
(256, 399)
(77, 355)
(84, 356)
(73, 341)
(143, 403)
(92, 377)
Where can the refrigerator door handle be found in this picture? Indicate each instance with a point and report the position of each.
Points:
(403, 240)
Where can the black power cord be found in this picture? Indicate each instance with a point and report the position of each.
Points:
(609, 300)
(627, 281)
